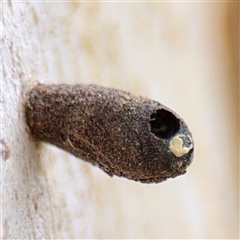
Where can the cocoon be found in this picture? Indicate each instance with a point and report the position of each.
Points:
(125, 135)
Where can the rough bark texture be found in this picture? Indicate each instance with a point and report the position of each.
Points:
(184, 55)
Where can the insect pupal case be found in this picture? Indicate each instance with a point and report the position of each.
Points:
(123, 134)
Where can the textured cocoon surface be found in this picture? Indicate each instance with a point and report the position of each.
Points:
(123, 134)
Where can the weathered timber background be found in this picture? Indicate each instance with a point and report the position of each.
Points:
(184, 55)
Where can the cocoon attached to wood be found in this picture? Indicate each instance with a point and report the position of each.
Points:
(125, 135)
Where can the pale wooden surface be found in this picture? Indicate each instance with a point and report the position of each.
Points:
(182, 54)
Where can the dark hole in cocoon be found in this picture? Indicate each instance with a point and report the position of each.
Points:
(164, 124)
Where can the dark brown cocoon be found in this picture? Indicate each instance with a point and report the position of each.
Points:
(123, 134)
